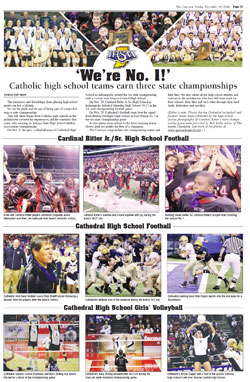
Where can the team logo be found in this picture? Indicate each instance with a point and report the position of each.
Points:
(122, 56)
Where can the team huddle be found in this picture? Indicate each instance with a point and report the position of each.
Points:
(203, 178)
(41, 194)
(116, 176)
(123, 264)
(215, 36)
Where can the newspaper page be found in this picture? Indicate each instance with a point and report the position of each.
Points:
(123, 235)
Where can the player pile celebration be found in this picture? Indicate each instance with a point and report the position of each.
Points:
(203, 178)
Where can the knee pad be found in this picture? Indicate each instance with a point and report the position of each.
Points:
(84, 61)
(29, 58)
(68, 61)
(77, 60)
(63, 61)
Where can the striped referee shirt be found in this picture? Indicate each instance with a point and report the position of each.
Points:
(233, 245)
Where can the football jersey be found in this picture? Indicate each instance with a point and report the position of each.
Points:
(45, 191)
(216, 205)
(203, 251)
(16, 193)
(136, 252)
(188, 247)
(70, 197)
(145, 182)
(225, 187)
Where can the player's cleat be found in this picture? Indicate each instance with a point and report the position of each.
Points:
(30, 368)
(158, 293)
(206, 271)
(118, 290)
(108, 290)
(86, 291)
(232, 290)
(149, 292)
(216, 287)
(66, 359)
(133, 291)
(99, 289)
(183, 285)
(195, 280)
(226, 282)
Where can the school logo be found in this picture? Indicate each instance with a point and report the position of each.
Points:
(122, 56)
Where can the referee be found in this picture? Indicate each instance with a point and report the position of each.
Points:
(233, 247)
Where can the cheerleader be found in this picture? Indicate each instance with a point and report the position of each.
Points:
(72, 271)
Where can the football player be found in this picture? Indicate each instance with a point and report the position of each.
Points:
(205, 263)
(17, 194)
(186, 251)
(46, 190)
(69, 196)
(202, 198)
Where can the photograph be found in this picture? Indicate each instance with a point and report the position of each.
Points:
(41, 343)
(209, 343)
(123, 343)
(201, 39)
(203, 178)
(75, 39)
(205, 263)
(121, 178)
(41, 263)
(123, 265)
(41, 179)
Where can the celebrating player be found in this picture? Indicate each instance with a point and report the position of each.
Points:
(46, 190)
(17, 194)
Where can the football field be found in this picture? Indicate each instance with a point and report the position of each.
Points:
(205, 283)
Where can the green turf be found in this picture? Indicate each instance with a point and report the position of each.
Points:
(91, 208)
(125, 293)
(212, 282)
(202, 63)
